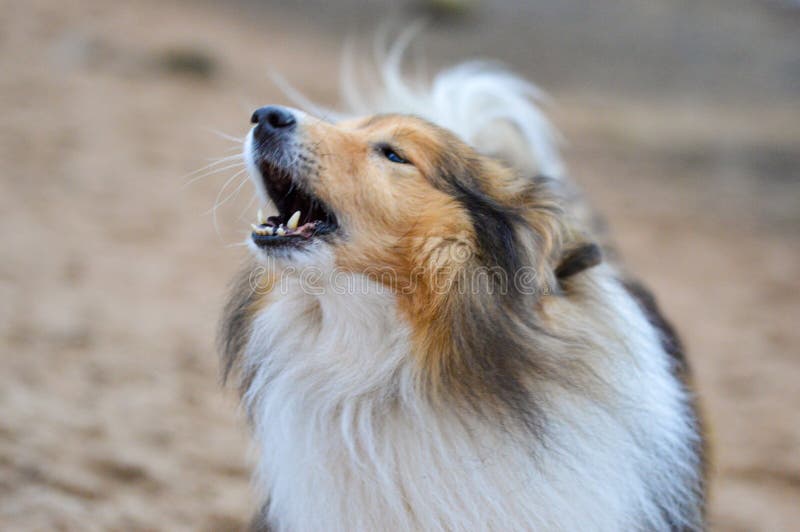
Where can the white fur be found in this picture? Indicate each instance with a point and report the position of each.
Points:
(348, 443)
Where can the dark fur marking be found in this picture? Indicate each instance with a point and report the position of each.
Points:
(669, 337)
(493, 329)
(673, 346)
(258, 523)
(494, 228)
(236, 322)
(577, 260)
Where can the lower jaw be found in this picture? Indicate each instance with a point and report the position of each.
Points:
(268, 243)
(292, 259)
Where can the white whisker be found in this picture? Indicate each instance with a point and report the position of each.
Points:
(246, 207)
(218, 203)
(225, 135)
(212, 171)
(213, 162)
(299, 99)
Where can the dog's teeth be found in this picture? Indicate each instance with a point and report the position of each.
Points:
(281, 231)
(261, 218)
(292, 223)
(261, 230)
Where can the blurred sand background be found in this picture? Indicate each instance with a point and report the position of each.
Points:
(683, 124)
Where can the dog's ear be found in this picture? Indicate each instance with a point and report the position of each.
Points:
(576, 259)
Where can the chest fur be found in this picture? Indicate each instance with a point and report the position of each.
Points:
(348, 440)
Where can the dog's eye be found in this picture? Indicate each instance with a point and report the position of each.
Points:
(392, 155)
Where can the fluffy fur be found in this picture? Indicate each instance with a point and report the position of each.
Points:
(553, 400)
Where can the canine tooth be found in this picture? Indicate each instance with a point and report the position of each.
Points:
(268, 230)
(292, 223)
(281, 231)
(261, 218)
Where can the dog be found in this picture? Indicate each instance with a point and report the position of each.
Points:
(433, 333)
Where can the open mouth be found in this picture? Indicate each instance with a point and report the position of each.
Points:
(301, 218)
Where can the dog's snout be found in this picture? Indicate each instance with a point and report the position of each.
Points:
(273, 117)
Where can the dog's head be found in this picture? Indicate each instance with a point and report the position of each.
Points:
(467, 243)
(392, 194)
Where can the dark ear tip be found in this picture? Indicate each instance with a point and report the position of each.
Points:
(579, 259)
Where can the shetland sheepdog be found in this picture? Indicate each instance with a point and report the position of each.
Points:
(433, 335)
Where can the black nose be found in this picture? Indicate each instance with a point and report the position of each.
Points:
(273, 117)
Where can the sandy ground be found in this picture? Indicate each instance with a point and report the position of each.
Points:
(113, 274)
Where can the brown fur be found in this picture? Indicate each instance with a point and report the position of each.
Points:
(448, 234)
(434, 228)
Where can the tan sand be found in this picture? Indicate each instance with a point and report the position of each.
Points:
(112, 276)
